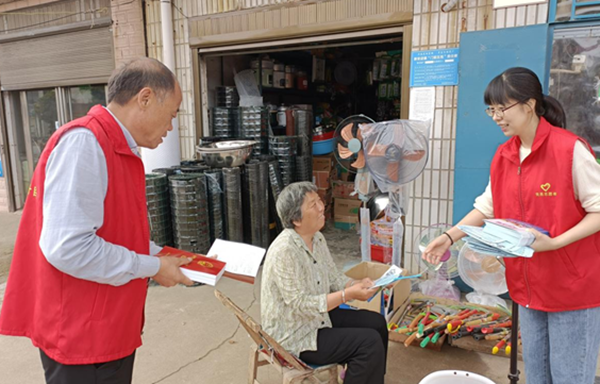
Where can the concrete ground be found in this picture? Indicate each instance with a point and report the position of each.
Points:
(9, 223)
(191, 338)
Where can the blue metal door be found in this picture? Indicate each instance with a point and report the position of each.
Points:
(483, 56)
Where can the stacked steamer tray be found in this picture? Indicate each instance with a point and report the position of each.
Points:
(159, 212)
(303, 121)
(232, 203)
(256, 199)
(227, 96)
(284, 148)
(254, 123)
(189, 208)
(275, 187)
(225, 121)
(214, 183)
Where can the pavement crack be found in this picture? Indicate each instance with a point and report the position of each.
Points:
(210, 351)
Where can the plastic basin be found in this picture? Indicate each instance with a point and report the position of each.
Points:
(455, 377)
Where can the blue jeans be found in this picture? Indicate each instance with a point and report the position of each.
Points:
(560, 347)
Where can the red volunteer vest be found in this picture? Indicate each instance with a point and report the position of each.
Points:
(540, 191)
(77, 321)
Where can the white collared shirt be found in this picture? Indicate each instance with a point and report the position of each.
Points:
(74, 193)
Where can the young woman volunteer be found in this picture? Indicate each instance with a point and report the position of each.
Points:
(549, 177)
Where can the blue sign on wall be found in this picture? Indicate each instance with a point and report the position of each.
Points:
(1, 171)
(437, 67)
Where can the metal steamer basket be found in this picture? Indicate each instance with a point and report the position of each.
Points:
(232, 203)
(159, 215)
(189, 209)
(231, 153)
(254, 125)
(284, 148)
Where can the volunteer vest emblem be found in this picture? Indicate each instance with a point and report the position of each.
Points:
(546, 192)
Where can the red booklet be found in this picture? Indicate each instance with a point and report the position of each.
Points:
(202, 269)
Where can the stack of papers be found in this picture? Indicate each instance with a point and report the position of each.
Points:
(502, 237)
(242, 261)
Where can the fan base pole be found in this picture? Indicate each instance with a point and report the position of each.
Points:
(513, 376)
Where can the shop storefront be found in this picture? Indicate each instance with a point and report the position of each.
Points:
(334, 76)
(48, 76)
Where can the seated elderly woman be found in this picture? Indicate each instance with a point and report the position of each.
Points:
(302, 290)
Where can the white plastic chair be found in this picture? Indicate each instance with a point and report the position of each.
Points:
(455, 377)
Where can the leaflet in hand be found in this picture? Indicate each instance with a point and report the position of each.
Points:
(501, 237)
(514, 231)
(391, 275)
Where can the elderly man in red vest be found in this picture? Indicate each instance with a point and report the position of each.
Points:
(82, 259)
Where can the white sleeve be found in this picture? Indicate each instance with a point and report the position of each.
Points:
(586, 178)
(484, 202)
(73, 210)
(154, 248)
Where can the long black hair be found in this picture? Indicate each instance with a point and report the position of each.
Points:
(521, 84)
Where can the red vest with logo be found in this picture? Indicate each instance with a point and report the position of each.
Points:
(76, 321)
(540, 191)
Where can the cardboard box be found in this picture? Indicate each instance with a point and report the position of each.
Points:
(344, 189)
(323, 163)
(484, 346)
(326, 196)
(374, 271)
(346, 207)
(466, 342)
(346, 223)
(322, 179)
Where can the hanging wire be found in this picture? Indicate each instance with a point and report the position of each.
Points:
(99, 10)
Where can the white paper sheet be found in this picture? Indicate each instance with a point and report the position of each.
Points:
(422, 103)
(241, 259)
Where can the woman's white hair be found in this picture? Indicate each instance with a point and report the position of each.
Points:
(289, 203)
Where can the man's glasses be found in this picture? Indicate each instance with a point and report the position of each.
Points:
(500, 111)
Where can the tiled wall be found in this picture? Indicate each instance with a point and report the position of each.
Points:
(231, 16)
(128, 30)
(432, 193)
(183, 65)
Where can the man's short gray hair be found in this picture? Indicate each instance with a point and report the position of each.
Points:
(289, 203)
(129, 79)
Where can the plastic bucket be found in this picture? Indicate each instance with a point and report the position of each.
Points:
(455, 377)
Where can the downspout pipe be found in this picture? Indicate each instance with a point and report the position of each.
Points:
(169, 152)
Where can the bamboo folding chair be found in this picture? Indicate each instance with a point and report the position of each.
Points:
(266, 351)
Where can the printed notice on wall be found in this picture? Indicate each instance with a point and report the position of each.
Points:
(422, 103)
(438, 67)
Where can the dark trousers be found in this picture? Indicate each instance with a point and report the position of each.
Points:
(358, 339)
(112, 372)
